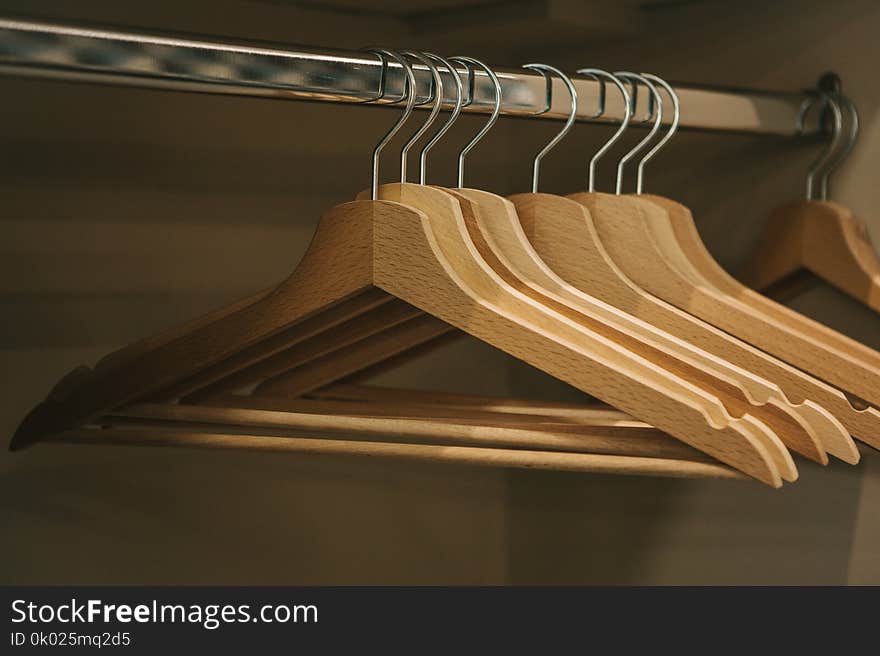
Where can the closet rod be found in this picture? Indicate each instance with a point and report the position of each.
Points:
(96, 55)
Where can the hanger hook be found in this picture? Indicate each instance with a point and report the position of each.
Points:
(409, 88)
(673, 128)
(658, 119)
(436, 97)
(496, 109)
(820, 165)
(843, 153)
(596, 74)
(453, 116)
(544, 69)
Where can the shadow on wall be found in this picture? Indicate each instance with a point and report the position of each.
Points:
(567, 530)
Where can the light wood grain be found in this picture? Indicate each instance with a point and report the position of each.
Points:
(569, 243)
(408, 253)
(519, 459)
(353, 359)
(685, 229)
(471, 296)
(425, 405)
(823, 238)
(350, 392)
(359, 325)
(711, 374)
(640, 245)
(862, 422)
(358, 423)
(317, 284)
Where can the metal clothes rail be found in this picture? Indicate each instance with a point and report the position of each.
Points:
(96, 55)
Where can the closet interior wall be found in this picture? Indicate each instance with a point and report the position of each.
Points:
(126, 211)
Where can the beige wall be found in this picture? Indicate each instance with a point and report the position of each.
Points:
(125, 211)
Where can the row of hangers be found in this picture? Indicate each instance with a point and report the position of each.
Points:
(612, 293)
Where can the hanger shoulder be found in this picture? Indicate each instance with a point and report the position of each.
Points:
(436, 267)
(710, 374)
(429, 263)
(295, 351)
(336, 267)
(823, 238)
(133, 351)
(630, 238)
(689, 238)
(561, 241)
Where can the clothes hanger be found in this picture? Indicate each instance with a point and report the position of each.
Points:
(643, 246)
(436, 204)
(718, 376)
(348, 350)
(511, 257)
(703, 264)
(497, 226)
(819, 236)
(423, 258)
(564, 255)
(498, 214)
(396, 344)
(572, 248)
(862, 421)
(494, 227)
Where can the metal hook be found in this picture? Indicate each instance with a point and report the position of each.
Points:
(496, 110)
(658, 119)
(410, 88)
(634, 99)
(437, 98)
(844, 152)
(820, 165)
(453, 116)
(471, 88)
(544, 69)
(595, 73)
(676, 120)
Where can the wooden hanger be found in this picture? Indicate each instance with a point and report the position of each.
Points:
(562, 233)
(839, 442)
(494, 229)
(519, 251)
(633, 239)
(703, 268)
(687, 252)
(513, 256)
(688, 236)
(859, 418)
(401, 250)
(446, 216)
(822, 238)
(818, 236)
(501, 242)
(611, 285)
(419, 253)
(500, 238)
(643, 245)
